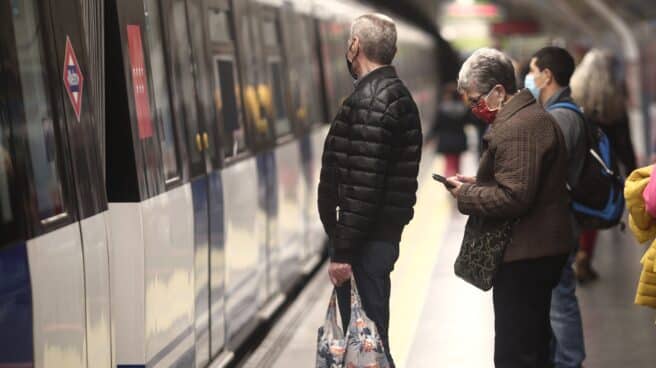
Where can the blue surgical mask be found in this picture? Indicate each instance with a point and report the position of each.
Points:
(529, 83)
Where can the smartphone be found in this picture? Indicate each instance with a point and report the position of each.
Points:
(442, 179)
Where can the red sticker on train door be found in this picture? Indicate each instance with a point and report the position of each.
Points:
(139, 82)
(73, 79)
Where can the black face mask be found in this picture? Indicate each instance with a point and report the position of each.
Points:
(349, 63)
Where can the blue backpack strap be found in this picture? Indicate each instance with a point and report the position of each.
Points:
(565, 105)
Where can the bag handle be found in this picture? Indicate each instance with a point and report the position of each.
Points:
(356, 302)
(331, 313)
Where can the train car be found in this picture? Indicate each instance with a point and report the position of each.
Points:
(160, 224)
(54, 240)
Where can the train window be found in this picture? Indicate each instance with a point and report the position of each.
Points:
(310, 83)
(219, 24)
(256, 105)
(229, 105)
(159, 78)
(185, 76)
(270, 33)
(282, 124)
(47, 185)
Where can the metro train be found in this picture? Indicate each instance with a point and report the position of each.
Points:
(158, 170)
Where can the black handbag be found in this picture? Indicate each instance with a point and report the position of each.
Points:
(482, 250)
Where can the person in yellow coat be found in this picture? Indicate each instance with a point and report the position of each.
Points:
(643, 227)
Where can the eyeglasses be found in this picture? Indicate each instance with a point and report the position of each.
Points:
(473, 102)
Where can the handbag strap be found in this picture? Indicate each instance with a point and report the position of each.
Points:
(356, 302)
(331, 313)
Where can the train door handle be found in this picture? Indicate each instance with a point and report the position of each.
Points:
(199, 143)
(206, 141)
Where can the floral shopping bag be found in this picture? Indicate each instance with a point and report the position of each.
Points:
(331, 343)
(361, 348)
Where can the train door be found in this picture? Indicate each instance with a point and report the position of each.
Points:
(157, 164)
(59, 309)
(244, 131)
(191, 81)
(286, 243)
(235, 277)
(305, 86)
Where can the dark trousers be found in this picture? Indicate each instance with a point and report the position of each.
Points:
(372, 268)
(522, 301)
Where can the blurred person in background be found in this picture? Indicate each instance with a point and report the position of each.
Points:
(548, 80)
(600, 90)
(522, 177)
(448, 130)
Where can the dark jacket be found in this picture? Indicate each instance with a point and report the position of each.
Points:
(619, 135)
(370, 164)
(449, 127)
(523, 175)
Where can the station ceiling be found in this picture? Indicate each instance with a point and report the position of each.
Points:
(555, 15)
(566, 18)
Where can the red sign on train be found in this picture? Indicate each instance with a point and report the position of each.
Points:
(139, 82)
(73, 79)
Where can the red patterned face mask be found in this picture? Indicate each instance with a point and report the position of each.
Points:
(483, 111)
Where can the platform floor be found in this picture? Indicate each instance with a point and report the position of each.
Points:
(440, 321)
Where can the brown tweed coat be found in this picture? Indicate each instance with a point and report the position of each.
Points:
(523, 174)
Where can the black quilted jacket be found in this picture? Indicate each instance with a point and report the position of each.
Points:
(370, 164)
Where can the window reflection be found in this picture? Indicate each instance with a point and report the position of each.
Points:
(6, 171)
(38, 115)
(282, 123)
(270, 33)
(255, 95)
(219, 26)
(228, 105)
(184, 73)
(159, 77)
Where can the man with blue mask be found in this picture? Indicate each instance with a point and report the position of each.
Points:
(548, 81)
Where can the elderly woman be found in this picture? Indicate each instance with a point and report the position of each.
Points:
(521, 177)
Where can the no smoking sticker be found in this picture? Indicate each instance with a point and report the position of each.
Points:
(73, 79)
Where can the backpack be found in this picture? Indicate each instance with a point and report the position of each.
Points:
(598, 196)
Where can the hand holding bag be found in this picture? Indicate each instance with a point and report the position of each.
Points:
(361, 348)
(482, 250)
(331, 343)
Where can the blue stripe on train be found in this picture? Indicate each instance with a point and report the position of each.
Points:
(16, 339)
(186, 359)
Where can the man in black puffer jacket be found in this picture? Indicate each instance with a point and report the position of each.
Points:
(369, 172)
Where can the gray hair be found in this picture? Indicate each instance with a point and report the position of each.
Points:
(377, 35)
(486, 68)
(596, 89)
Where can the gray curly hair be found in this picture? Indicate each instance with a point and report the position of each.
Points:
(377, 35)
(486, 68)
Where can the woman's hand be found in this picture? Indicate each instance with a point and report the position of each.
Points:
(466, 179)
(453, 180)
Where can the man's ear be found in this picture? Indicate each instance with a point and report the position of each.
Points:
(356, 43)
(548, 74)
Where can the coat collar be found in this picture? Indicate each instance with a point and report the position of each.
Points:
(386, 71)
(518, 102)
(563, 94)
